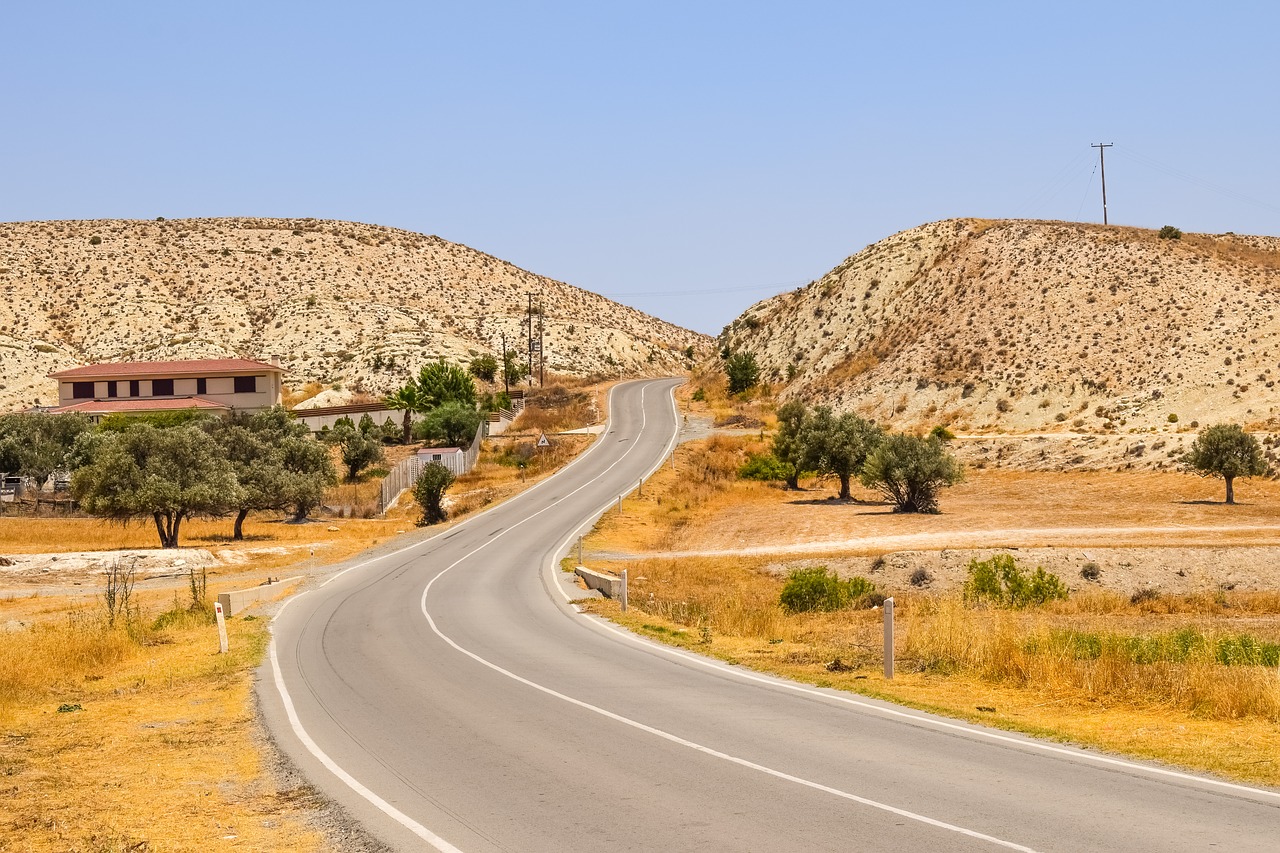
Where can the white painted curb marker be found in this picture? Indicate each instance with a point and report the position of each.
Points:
(222, 627)
(888, 639)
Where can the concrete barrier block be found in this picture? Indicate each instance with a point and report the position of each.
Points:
(237, 600)
(609, 585)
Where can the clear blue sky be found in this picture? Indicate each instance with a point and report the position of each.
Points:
(688, 158)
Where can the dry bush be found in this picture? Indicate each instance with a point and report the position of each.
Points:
(555, 408)
(49, 656)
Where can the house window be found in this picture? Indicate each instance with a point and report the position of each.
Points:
(111, 388)
(246, 384)
(134, 388)
(202, 386)
(82, 390)
(161, 387)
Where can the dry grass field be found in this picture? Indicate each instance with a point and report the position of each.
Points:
(157, 747)
(1159, 655)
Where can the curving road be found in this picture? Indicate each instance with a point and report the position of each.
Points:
(449, 697)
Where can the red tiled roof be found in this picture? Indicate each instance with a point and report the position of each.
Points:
(107, 407)
(196, 367)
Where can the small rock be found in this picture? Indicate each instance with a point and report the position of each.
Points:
(332, 529)
(987, 708)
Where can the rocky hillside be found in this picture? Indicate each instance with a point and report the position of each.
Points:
(1031, 326)
(340, 303)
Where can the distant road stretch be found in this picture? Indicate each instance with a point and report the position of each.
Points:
(450, 699)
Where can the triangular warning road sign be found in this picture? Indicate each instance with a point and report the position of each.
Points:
(542, 440)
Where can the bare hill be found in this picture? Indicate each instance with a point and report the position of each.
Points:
(340, 303)
(1027, 326)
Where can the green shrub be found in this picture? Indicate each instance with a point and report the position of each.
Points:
(95, 240)
(1173, 419)
(699, 396)
(1168, 232)
(815, 588)
(763, 466)
(999, 582)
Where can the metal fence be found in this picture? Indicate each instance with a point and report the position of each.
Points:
(407, 471)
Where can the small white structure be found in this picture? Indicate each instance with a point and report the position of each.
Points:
(453, 458)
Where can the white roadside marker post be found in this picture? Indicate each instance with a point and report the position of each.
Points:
(579, 550)
(619, 504)
(222, 627)
(888, 639)
(623, 599)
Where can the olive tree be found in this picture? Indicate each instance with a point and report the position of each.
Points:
(166, 474)
(453, 423)
(910, 470)
(1226, 451)
(36, 445)
(788, 446)
(837, 445)
(429, 491)
(276, 461)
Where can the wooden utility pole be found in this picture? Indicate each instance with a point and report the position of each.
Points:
(542, 347)
(1102, 163)
(529, 317)
(506, 379)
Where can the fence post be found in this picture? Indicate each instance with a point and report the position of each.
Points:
(888, 639)
(623, 598)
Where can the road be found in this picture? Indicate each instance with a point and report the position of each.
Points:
(449, 698)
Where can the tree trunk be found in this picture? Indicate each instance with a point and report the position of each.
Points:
(238, 531)
(408, 426)
(793, 482)
(845, 494)
(1231, 495)
(177, 522)
(164, 542)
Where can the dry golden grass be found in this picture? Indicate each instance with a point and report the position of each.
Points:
(163, 752)
(1099, 668)
(160, 753)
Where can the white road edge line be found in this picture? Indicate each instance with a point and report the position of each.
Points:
(888, 711)
(742, 762)
(278, 676)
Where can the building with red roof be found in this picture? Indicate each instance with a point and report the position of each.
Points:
(135, 387)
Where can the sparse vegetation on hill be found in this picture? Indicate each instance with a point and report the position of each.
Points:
(1025, 326)
(343, 304)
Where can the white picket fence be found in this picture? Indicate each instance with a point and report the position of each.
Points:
(407, 471)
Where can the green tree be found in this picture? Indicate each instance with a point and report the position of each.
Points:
(404, 399)
(359, 451)
(441, 382)
(484, 367)
(166, 474)
(37, 445)
(742, 370)
(429, 491)
(276, 461)
(836, 445)
(910, 470)
(455, 424)
(514, 370)
(788, 447)
(1226, 451)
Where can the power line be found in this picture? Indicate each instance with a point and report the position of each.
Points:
(1152, 163)
(703, 291)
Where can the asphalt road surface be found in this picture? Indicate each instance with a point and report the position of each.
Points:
(450, 698)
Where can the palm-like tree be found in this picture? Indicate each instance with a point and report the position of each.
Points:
(408, 399)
